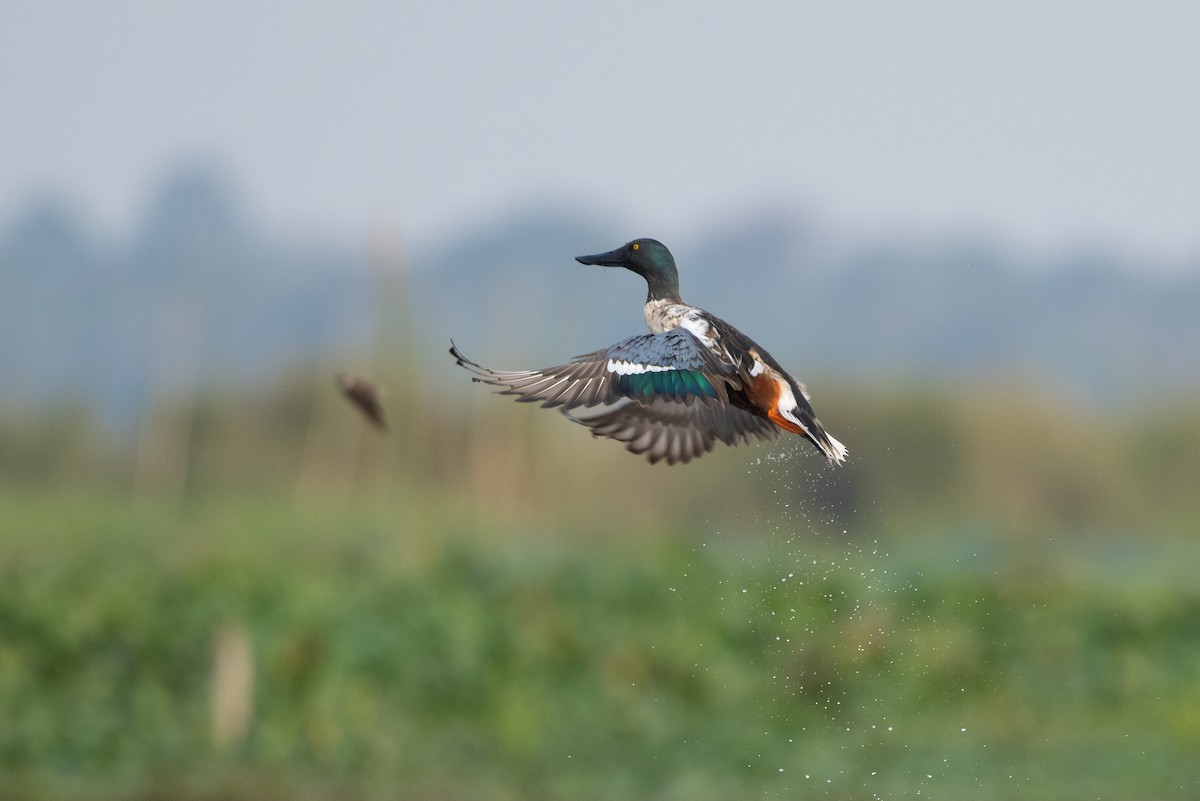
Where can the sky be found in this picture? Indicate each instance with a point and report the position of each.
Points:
(1048, 124)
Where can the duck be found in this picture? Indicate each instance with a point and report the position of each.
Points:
(673, 393)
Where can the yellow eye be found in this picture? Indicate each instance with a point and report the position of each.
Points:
(636, 246)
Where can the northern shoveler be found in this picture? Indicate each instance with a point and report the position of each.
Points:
(693, 380)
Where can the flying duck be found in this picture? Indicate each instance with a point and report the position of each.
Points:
(671, 394)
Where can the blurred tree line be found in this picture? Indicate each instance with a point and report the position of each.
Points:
(925, 457)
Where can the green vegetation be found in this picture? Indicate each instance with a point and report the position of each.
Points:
(503, 609)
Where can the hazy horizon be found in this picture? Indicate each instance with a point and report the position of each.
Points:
(1048, 128)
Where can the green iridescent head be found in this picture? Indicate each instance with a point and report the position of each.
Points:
(648, 258)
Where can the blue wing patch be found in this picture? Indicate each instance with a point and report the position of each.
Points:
(671, 364)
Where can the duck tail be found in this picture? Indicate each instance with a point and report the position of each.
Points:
(834, 450)
(802, 421)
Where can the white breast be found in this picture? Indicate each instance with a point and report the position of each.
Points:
(663, 315)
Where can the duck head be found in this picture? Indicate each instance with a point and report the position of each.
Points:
(650, 259)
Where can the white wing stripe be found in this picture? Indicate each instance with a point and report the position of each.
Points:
(621, 367)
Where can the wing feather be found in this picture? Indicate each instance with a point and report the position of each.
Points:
(672, 365)
(662, 429)
(671, 397)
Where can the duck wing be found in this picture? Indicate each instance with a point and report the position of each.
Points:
(663, 429)
(673, 367)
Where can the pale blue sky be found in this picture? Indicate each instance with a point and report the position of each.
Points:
(1047, 123)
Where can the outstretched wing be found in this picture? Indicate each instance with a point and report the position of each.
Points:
(662, 429)
(673, 366)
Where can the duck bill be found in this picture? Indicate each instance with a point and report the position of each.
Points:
(613, 258)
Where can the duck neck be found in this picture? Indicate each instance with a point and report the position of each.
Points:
(662, 288)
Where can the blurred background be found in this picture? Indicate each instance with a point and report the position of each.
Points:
(972, 229)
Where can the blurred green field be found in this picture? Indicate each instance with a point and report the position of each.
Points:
(289, 607)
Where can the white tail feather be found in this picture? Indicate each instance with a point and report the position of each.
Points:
(836, 452)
